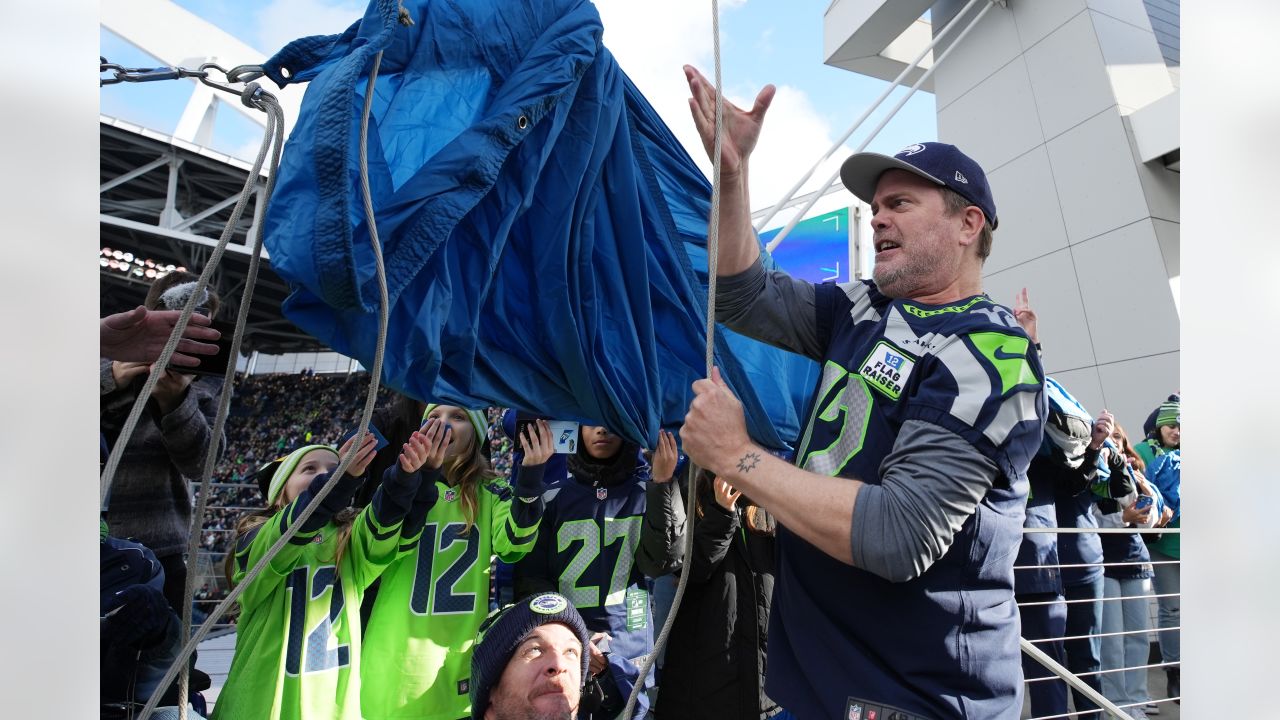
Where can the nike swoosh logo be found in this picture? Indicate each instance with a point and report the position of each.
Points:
(1000, 354)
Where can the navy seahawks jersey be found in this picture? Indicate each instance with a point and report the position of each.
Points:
(843, 641)
(586, 550)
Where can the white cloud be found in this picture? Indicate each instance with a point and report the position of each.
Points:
(653, 40)
(280, 22)
(764, 43)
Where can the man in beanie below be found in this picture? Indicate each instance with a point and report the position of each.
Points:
(899, 522)
(530, 662)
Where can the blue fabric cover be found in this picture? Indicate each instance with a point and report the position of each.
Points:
(544, 233)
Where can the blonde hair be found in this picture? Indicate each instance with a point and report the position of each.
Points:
(466, 474)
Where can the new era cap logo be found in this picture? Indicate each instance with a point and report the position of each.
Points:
(911, 149)
(961, 178)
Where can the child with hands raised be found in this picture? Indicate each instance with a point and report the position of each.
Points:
(298, 644)
(434, 596)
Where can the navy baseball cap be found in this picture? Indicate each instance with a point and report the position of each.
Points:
(934, 161)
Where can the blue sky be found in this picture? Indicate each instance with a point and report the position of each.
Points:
(763, 41)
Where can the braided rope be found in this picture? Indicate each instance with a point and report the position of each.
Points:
(713, 263)
(273, 138)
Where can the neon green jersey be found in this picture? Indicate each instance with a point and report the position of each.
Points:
(417, 649)
(298, 638)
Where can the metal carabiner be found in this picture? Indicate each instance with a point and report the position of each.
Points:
(204, 78)
(245, 73)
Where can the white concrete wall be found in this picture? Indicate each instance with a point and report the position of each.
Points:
(1039, 95)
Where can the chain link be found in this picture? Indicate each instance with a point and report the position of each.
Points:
(206, 73)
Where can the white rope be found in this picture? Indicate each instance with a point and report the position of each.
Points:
(713, 264)
(162, 362)
(1110, 634)
(786, 230)
(366, 414)
(1101, 599)
(1076, 683)
(1135, 563)
(1091, 712)
(1152, 666)
(272, 138)
(781, 204)
(1106, 530)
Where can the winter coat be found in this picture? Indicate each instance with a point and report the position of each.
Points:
(149, 500)
(715, 660)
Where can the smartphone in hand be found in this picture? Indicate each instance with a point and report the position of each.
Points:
(380, 439)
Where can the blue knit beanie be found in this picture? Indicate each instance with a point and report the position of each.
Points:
(503, 631)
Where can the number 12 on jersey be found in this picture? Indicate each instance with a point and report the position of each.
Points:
(441, 597)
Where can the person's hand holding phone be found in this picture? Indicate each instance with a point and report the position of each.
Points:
(536, 442)
(124, 372)
(364, 456)
(599, 646)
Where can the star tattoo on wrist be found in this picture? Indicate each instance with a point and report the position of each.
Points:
(748, 462)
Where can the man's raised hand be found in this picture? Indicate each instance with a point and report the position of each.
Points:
(740, 129)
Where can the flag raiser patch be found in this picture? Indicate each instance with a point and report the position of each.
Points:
(887, 369)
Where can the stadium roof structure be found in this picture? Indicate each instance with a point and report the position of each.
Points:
(165, 201)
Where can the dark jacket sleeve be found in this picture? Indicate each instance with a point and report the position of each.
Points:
(1067, 480)
(532, 574)
(662, 530)
(712, 536)
(527, 508)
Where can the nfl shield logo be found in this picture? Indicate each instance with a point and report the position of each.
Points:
(602, 493)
